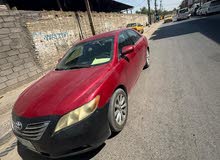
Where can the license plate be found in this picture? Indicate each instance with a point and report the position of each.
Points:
(26, 143)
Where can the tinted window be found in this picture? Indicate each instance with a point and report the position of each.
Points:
(134, 36)
(184, 10)
(123, 40)
(88, 54)
(131, 25)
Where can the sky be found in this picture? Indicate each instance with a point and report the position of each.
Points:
(167, 4)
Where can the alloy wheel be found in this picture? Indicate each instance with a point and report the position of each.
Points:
(120, 109)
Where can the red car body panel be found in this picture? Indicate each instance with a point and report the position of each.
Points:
(60, 92)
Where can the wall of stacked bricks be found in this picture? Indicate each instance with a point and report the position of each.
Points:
(17, 64)
(31, 42)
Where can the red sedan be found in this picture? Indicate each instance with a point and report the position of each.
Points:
(76, 106)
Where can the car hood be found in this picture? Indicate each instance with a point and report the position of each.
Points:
(59, 92)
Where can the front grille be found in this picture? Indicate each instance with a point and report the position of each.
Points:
(33, 131)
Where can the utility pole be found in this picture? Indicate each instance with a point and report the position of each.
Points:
(149, 14)
(79, 26)
(161, 6)
(90, 16)
(59, 5)
(156, 14)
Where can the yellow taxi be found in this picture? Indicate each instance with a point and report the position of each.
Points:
(168, 18)
(136, 26)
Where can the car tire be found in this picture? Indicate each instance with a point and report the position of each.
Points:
(118, 110)
(147, 64)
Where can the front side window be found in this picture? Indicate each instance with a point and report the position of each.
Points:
(133, 35)
(123, 40)
(88, 54)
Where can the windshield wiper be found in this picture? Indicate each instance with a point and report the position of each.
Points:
(79, 66)
(74, 67)
(59, 69)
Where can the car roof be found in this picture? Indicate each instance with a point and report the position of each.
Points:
(103, 35)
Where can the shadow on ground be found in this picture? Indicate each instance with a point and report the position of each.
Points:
(208, 26)
(30, 155)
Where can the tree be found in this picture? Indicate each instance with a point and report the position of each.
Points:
(144, 10)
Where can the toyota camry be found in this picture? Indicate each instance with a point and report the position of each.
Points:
(76, 106)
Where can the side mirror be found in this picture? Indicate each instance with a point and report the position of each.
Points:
(127, 49)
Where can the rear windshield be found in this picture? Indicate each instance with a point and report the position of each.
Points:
(183, 10)
(131, 25)
(167, 16)
(88, 54)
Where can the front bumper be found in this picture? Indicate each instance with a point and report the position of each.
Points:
(77, 138)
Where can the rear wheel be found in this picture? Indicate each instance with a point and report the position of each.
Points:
(118, 110)
(147, 64)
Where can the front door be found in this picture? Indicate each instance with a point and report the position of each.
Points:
(127, 64)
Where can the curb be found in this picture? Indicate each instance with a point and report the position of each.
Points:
(6, 137)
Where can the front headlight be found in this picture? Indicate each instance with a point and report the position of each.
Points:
(77, 114)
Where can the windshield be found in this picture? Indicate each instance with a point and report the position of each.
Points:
(183, 10)
(88, 54)
(131, 25)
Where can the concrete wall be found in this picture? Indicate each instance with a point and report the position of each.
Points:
(31, 42)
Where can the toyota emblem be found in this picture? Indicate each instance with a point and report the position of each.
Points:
(18, 125)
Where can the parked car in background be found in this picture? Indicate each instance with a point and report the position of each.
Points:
(75, 107)
(168, 18)
(136, 26)
(183, 14)
(198, 12)
(204, 8)
(214, 7)
(194, 9)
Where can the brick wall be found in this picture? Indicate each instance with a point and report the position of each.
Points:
(32, 41)
(53, 34)
(17, 64)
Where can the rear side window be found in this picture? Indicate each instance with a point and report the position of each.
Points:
(123, 40)
(133, 35)
(131, 25)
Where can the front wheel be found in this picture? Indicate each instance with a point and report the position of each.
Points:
(118, 110)
(147, 64)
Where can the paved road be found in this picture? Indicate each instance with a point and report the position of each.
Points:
(174, 109)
